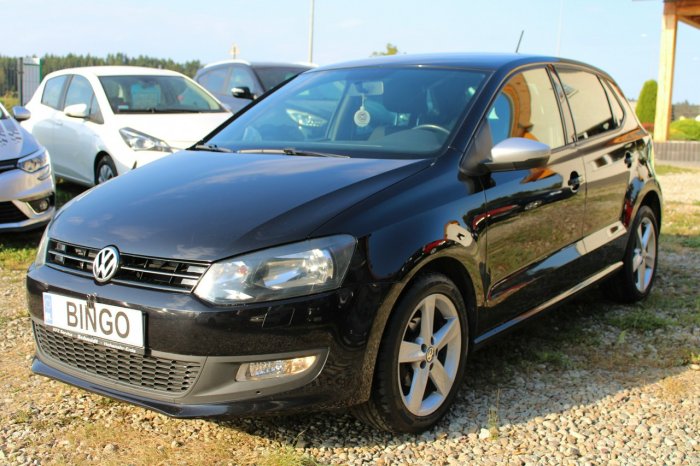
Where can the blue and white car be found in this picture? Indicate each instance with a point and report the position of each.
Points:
(26, 181)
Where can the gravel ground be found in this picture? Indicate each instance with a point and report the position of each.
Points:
(593, 383)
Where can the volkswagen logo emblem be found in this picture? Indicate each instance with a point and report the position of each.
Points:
(106, 264)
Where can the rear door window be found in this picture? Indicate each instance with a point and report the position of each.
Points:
(216, 80)
(53, 91)
(588, 102)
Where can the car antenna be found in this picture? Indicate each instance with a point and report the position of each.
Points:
(522, 33)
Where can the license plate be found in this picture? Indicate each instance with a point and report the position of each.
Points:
(98, 323)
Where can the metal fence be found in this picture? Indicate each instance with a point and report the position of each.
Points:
(29, 77)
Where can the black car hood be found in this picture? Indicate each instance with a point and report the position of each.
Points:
(207, 206)
(15, 141)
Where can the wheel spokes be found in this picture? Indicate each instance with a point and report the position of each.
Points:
(441, 379)
(418, 386)
(410, 352)
(447, 333)
(427, 318)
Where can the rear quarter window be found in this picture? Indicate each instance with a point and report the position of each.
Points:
(52, 91)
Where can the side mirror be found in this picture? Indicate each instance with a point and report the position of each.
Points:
(517, 154)
(21, 113)
(77, 111)
(242, 92)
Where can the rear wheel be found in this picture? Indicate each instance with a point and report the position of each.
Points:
(421, 359)
(105, 169)
(634, 281)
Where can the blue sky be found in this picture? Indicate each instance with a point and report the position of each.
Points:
(619, 36)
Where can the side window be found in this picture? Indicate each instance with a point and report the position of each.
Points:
(241, 76)
(613, 98)
(527, 107)
(216, 79)
(53, 90)
(588, 101)
(79, 92)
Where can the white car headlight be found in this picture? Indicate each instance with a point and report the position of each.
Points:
(34, 162)
(297, 269)
(141, 141)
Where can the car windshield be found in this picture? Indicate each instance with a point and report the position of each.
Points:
(156, 94)
(377, 112)
(270, 76)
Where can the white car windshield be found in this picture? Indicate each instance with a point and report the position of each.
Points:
(156, 94)
(391, 112)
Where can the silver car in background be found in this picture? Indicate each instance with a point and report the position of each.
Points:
(26, 182)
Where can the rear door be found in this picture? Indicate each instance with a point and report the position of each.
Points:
(608, 154)
(534, 216)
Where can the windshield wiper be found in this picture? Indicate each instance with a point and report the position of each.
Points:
(290, 151)
(210, 148)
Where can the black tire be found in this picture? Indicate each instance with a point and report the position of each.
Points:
(628, 285)
(105, 166)
(387, 408)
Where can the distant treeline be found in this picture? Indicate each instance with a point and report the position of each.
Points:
(50, 63)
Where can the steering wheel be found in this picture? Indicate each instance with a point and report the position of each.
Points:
(436, 128)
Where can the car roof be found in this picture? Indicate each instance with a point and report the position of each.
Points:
(482, 61)
(115, 71)
(256, 64)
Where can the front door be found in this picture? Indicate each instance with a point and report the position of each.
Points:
(534, 216)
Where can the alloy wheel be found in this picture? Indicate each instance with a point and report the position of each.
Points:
(644, 256)
(429, 355)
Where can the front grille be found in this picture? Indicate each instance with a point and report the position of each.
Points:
(146, 272)
(7, 165)
(160, 374)
(9, 213)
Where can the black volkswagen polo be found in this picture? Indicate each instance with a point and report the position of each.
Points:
(348, 240)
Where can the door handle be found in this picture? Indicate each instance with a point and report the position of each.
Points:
(628, 159)
(575, 181)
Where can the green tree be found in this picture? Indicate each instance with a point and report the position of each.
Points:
(646, 105)
(391, 49)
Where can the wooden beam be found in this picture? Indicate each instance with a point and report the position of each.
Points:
(667, 60)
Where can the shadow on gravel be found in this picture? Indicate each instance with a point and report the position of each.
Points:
(569, 357)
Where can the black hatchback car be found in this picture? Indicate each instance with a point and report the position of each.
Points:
(350, 239)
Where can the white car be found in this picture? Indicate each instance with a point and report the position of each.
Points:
(100, 122)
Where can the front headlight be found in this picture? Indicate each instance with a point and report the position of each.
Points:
(34, 162)
(283, 272)
(141, 141)
(42, 249)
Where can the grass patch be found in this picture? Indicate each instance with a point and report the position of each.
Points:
(553, 358)
(287, 456)
(640, 319)
(673, 170)
(681, 220)
(17, 253)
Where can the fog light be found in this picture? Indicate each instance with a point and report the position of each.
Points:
(272, 369)
(40, 205)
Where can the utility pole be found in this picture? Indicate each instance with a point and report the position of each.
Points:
(311, 33)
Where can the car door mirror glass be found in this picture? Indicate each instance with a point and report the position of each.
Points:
(517, 154)
(21, 113)
(77, 111)
(242, 92)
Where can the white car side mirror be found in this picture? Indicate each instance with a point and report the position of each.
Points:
(77, 111)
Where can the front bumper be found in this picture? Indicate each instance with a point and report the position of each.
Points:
(17, 190)
(217, 340)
